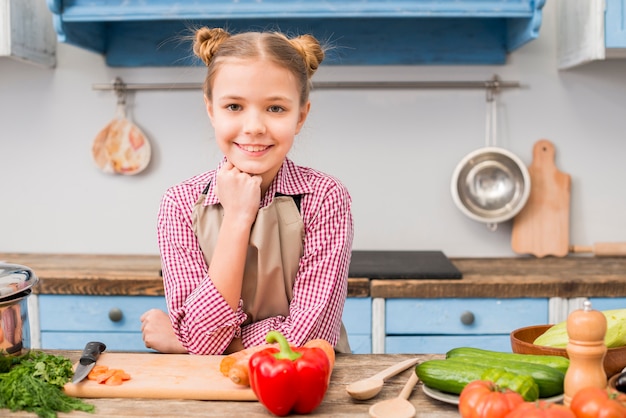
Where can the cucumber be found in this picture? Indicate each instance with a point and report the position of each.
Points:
(557, 362)
(452, 374)
(448, 376)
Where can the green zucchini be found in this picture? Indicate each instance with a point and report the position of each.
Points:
(452, 374)
(557, 362)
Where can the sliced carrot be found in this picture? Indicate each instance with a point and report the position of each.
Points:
(97, 369)
(114, 380)
(102, 377)
(122, 374)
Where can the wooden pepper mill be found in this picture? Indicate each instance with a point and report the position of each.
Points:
(586, 329)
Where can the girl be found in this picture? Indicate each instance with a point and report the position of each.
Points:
(259, 243)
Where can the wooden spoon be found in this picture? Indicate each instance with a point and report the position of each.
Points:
(369, 387)
(398, 407)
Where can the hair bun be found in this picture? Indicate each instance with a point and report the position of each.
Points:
(207, 41)
(311, 50)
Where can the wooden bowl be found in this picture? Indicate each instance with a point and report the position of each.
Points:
(522, 343)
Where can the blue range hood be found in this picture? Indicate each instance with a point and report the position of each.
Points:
(155, 33)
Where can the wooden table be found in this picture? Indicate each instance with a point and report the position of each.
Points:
(337, 403)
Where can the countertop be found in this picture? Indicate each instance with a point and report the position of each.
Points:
(568, 277)
(337, 403)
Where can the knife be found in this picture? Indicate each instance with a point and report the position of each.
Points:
(88, 360)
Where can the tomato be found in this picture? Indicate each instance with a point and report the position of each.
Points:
(598, 403)
(541, 409)
(483, 399)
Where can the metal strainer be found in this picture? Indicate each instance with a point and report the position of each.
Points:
(490, 185)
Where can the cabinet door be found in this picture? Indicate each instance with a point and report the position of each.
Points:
(357, 318)
(69, 321)
(26, 32)
(605, 304)
(438, 325)
(615, 23)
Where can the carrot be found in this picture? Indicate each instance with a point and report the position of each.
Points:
(102, 377)
(114, 380)
(97, 369)
(229, 361)
(122, 374)
(239, 372)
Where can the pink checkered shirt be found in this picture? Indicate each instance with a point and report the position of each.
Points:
(203, 321)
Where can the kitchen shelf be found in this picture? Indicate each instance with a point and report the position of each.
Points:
(377, 32)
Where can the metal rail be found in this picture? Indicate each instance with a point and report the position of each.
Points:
(494, 84)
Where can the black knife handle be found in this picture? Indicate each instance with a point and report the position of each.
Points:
(92, 352)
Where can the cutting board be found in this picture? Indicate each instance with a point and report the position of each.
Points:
(541, 228)
(402, 265)
(164, 376)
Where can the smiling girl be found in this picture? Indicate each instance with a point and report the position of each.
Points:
(259, 243)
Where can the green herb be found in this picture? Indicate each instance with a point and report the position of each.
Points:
(34, 383)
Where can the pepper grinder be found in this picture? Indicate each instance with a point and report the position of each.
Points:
(586, 329)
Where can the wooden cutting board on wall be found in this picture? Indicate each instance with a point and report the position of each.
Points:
(541, 228)
(164, 376)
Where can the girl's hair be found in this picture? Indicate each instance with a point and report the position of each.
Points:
(301, 55)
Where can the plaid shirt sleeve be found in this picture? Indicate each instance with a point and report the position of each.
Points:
(202, 320)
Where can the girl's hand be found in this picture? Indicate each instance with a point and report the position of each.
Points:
(239, 193)
(158, 333)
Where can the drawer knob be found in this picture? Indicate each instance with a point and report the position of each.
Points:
(467, 318)
(116, 314)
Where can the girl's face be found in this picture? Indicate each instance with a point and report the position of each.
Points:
(256, 113)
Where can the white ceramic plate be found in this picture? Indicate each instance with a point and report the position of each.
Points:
(454, 399)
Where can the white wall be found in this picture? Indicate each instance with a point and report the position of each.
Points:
(395, 150)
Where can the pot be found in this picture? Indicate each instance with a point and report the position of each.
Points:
(16, 284)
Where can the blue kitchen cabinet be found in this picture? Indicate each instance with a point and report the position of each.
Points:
(605, 304)
(357, 318)
(152, 33)
(67, 322)
(438, 325)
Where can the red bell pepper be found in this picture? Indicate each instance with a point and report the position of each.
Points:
(289, 379)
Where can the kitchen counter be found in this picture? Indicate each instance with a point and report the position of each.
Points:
(568, 277)
(336, 403)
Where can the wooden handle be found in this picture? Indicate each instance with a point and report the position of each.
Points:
(396, 368)
(410, 384)
(602, 249)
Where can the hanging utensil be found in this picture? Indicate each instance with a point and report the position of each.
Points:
(542, 228)
(121, 147)
(490, 185)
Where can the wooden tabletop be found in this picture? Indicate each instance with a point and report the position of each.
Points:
(567, 277)
(337, 403)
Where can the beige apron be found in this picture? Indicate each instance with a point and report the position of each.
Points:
(274, 251)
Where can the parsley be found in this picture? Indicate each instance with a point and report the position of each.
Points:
(34, 382)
